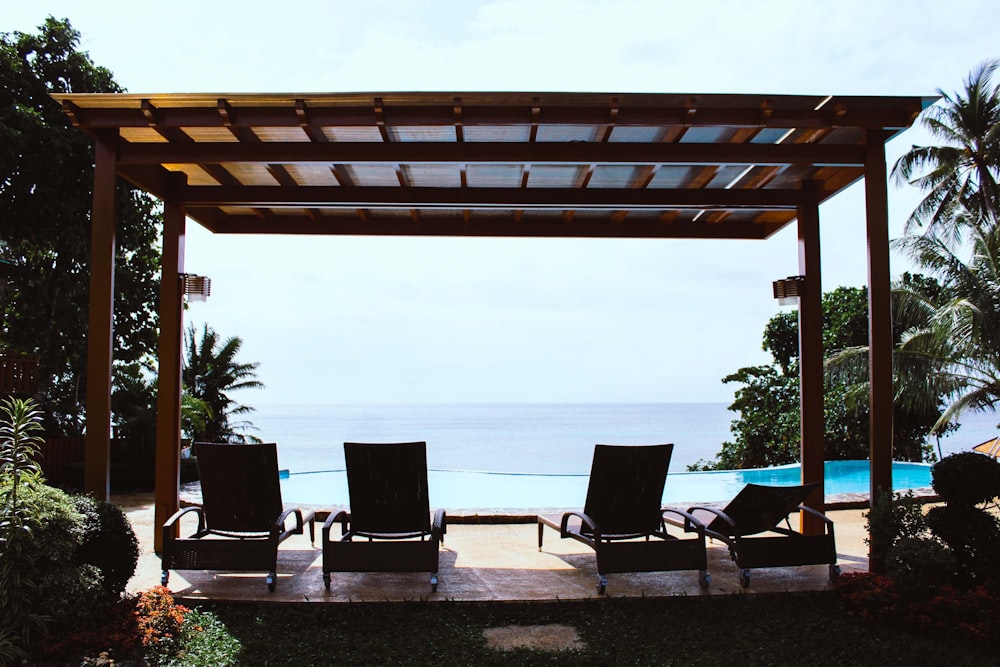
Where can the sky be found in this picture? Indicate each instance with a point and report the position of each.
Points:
(407, 320)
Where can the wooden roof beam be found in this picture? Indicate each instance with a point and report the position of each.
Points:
(495, 152)
(314, 133)
(485, 198)
(527, 226)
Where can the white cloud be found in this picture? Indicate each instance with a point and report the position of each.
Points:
(459, 319)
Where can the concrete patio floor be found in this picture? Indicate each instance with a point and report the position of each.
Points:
(493, 561)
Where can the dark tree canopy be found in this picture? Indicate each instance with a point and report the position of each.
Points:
(46, 192)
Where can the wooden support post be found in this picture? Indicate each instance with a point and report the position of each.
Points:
(100, 331)
(811, 356)
(169, 386)
(879, 323)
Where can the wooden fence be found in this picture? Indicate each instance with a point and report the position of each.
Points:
(55, 453)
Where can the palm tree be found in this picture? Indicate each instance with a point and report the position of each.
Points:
(962, 337)
(960, 176)
(210, 373)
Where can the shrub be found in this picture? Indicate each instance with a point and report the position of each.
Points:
(966, 478)
(109, 542)
(73, 597)
(896, 516)
(58, 527)
(69, 592)
(117, 637)
(160, 620)
(919, 564)
(974, 536)
(20, 433)
(867, 596)
(205, 642)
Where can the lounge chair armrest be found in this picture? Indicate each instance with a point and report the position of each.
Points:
(824, 518)
(584, 519)
(176, 517)
(279, 523)
(439, 526)
(689, 522)
(301, 518)
(341, 517)
(719, 514)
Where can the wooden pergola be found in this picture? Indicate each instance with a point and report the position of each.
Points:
(488, 164)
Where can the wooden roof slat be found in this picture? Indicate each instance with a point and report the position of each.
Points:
(458, 225)
(536, 153)
(492, 163)
(407, 197)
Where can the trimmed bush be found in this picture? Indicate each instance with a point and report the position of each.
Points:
(58, 527)
(966, 478)
(974, 536)
(109, 542)
(919, 564)
(894, 517)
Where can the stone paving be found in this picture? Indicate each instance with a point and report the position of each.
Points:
(482, 561)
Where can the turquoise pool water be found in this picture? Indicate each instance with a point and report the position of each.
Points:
(452, 489)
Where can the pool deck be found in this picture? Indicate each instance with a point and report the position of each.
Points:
(496, 561)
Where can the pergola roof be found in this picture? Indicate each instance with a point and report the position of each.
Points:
(492, 164)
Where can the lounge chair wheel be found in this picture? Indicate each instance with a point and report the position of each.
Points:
(271, 581)
(326, 580)
(602, 584)
(704, 579)
(164, 577)
(834, 571)
(434, 583)
(745, 578)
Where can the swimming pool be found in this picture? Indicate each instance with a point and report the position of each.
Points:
(453, 489)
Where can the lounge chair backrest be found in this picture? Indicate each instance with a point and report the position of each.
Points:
(758, 508)
(240, 486)
(388, 487)
(626, 487)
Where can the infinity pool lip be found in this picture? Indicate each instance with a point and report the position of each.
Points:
(491, 489)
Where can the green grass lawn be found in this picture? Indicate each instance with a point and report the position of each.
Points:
(785, 629)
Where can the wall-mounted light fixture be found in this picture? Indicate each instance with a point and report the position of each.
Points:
(196, 288)
(788, 290)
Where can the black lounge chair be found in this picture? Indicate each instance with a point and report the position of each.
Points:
(241, 520)
(750, 525)
(389, 527)
(622, 513)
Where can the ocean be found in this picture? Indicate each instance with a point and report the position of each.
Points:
(540, 438)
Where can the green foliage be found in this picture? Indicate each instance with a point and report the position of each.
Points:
(73, 597)
(19, 520)
(211, 372)
(963, 617)
(133, 406)
(174, 636)
(767, 431)
(973, 534)
(160, 621)
(46, 183)
(959, 176)
(109, 543)
(68, 594)
(966, 479)
(953, 233)
(615, 631)
(204, 642)
(919, 564)
(20, 438)
(960, 340)
(894, 517)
